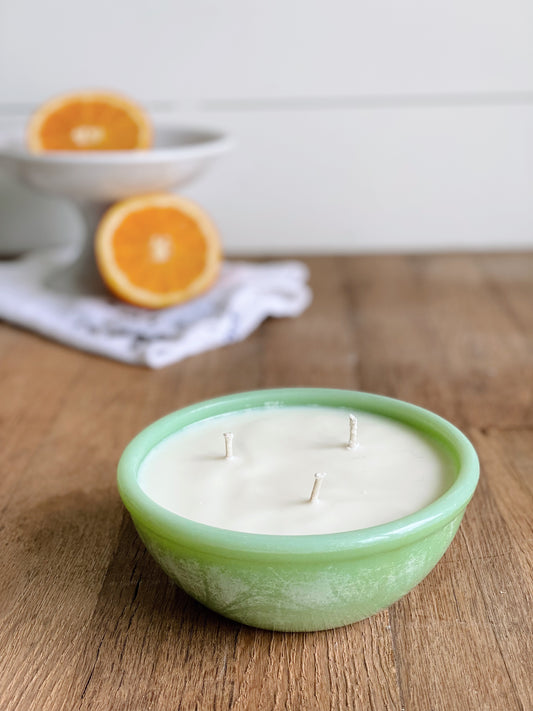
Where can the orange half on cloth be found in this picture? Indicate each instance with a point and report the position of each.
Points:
(157, 250)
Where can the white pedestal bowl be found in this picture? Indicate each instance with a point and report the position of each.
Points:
(93, 180)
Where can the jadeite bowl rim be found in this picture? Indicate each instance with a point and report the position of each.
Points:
(170, 526)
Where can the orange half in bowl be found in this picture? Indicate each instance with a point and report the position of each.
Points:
(89, 121)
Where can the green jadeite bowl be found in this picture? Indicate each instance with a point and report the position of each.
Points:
(307, 582)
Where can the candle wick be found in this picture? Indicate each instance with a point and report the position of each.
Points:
(228, 439)
(319, 476)
(353, 442)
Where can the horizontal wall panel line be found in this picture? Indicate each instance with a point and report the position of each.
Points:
(386, 101)
(324, 103)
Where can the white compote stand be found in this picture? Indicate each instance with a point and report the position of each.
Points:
(93, 180)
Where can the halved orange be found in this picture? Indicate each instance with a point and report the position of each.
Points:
(157, 250)
(89, 121)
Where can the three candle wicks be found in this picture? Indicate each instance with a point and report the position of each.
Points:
(353, 443)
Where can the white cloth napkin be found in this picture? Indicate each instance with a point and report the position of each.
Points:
(31, 295)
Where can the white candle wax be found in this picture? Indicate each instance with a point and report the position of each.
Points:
(265, 486)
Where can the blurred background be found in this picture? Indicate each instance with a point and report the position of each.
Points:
(360, 126)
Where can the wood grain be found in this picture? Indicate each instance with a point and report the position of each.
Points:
(89, 622)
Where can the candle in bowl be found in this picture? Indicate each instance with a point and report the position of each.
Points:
(385, 471)
(323, 507)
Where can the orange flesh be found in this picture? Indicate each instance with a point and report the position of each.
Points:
(184, 249)
(119, 131)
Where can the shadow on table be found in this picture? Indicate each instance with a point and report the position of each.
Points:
(84, 595)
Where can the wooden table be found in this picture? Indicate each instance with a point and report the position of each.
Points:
(88, 621)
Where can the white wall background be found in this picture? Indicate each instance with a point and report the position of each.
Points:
(362, 125)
